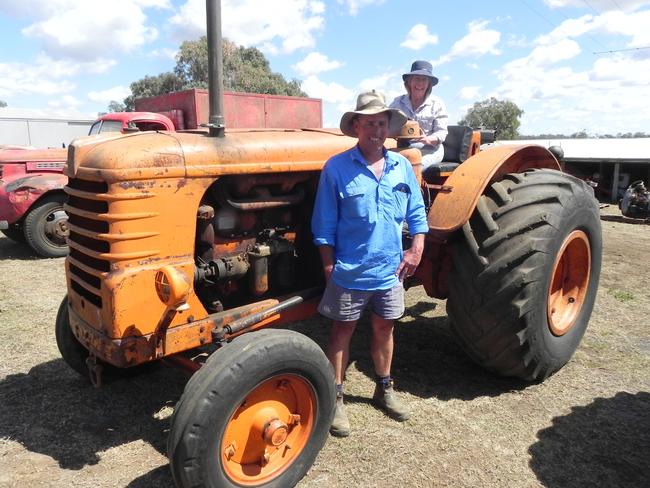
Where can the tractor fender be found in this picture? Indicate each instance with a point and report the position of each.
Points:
(455, 203)
(21, 194)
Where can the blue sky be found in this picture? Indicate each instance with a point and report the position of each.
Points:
(571, 65)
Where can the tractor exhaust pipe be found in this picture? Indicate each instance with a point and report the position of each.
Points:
(216, 121)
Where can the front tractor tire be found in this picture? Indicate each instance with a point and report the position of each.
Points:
(525, 274)
(256, 414)
(71, 350)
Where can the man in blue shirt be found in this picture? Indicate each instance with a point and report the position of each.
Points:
(364, 196)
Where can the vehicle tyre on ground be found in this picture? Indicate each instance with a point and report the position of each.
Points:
(72, 351)
(75, 354)
(256, 414)
(525, 273)
(46, 226)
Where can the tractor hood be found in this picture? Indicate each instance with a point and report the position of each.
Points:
(177, 154)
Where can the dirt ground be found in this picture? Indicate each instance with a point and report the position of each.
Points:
(588, 425)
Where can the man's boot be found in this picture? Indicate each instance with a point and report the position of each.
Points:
(340, 424)
(386, 399)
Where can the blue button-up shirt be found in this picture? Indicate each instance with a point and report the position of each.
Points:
(361, 217)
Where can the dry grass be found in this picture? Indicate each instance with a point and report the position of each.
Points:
(589, 425)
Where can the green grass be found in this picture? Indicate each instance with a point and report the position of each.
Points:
(621, 295)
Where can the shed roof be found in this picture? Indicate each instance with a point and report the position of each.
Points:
(590, 150)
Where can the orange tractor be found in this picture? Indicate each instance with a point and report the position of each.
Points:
(183, 243)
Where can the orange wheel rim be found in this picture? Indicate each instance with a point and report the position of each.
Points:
(269, 429)
(569, 283)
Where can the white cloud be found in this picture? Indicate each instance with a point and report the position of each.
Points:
(58, 112)
(329, 92)
(87, 30)
(277, 26)
(606, 98)
(42, 9)
(45, 76)
(478, 42)
(66, 102)
(164, 53)
(616, 23)
(597, 5)
(419, 37)
(469, 92)
(355, 5)
(315, 63)
(117, 93)
(389, 83)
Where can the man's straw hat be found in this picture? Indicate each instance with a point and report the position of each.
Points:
(371, 103)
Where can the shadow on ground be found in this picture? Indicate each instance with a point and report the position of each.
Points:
(427, 361)
(160, 477)
(16, 250)
(606, 443)
(53, 411)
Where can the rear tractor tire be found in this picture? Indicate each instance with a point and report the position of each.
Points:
(46, 226)
(256, 414)
(525, 273)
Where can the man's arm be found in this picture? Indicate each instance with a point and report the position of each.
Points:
(327, 257)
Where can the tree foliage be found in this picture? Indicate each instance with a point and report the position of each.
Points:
(244, 70)
(3, 103)
(115, 106)
(500, 115)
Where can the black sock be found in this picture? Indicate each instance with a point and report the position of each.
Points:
(384, 381)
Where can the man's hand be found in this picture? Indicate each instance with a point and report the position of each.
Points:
(327, 257)
(411, 259)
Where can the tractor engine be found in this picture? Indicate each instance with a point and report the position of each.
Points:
(250, 238)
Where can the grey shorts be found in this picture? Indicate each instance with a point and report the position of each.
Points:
(339, 303)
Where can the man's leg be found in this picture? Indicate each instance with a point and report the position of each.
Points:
(381, 344)
(338, 352)
(381, 349)
(338, 348)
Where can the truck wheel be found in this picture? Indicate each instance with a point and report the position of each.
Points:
(46, 226)
(70, 348)
(256, 414)
(16, 234)
(525, 273)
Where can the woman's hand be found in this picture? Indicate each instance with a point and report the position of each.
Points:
(431, 140)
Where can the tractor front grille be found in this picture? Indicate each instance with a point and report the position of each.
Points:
(95, 215)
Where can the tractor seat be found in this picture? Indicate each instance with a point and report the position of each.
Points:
(457, 145)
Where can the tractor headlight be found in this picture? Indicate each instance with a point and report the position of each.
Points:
(172, 287)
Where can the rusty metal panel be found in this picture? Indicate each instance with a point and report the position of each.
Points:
(241, 110)
(467, 183)
(188, 101)
(292, 112)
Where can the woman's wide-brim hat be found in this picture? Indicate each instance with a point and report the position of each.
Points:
(422, 68)
(371, 103)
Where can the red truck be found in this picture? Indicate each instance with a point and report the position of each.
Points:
(32, 180)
